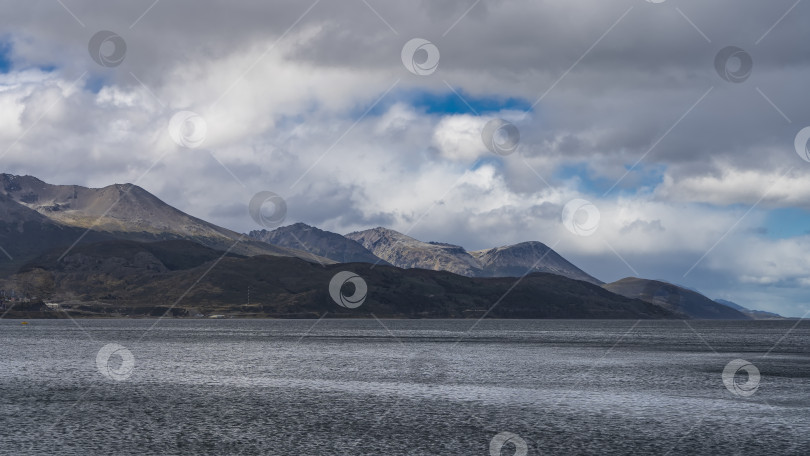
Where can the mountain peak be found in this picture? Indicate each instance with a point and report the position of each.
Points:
(317, 241)
(125, 211)
(526, 257)
(382, 232)
(406, 252)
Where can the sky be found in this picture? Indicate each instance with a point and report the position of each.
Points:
(661, 139)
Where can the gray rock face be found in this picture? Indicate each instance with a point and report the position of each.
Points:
(515, 260)
(674, 298)
(319, 242)
(406, 252)
(509, 261)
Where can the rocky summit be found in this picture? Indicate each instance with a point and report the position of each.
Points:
(508, 261)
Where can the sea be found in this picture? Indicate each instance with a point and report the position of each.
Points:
(404, 387)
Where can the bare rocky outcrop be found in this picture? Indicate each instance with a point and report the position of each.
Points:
(528, 257)
(406, 252)
(508, 261)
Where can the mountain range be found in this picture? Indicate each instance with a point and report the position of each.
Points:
(119, 250)
(116, 278)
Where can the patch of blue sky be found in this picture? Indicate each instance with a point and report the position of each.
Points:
(639, 179)
(6, 63)
(783, 223)
(444, 102)
(94, 83)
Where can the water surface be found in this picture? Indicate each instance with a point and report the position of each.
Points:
(401, 387)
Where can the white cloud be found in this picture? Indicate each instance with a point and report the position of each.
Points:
(736, 186)
(458, 137)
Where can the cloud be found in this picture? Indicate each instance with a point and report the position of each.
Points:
(736, 186)
(459, 137)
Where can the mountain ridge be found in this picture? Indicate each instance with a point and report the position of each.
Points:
(755, 314)
(406, 252)
(506, 261)
(127, 211)
(320, 242)
(674, 298)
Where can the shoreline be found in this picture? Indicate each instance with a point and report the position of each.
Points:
(363, 317)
